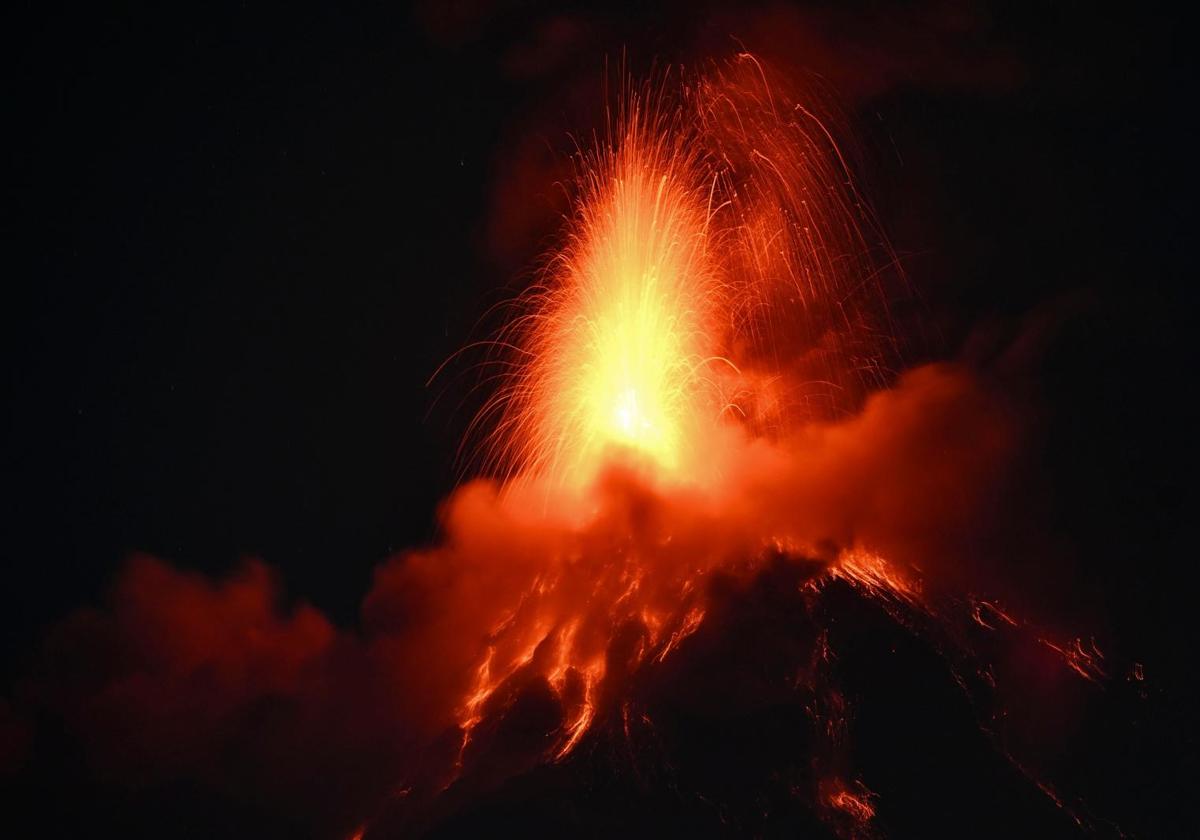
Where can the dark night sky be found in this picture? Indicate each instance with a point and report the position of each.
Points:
(244, 239)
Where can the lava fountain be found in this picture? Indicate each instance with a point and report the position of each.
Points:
(718, 269)
(619, 347)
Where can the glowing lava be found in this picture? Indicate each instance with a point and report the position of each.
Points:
(621, 336)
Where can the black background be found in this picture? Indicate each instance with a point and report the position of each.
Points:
(240, 241)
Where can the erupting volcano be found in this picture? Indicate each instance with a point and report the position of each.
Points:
(758, 524)
(685, 415)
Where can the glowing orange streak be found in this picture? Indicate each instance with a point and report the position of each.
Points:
(1088, 664)
(858, 807)
(978, 613)
(870, 571)
(690, 622)
(587, 710)
(472, 710)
